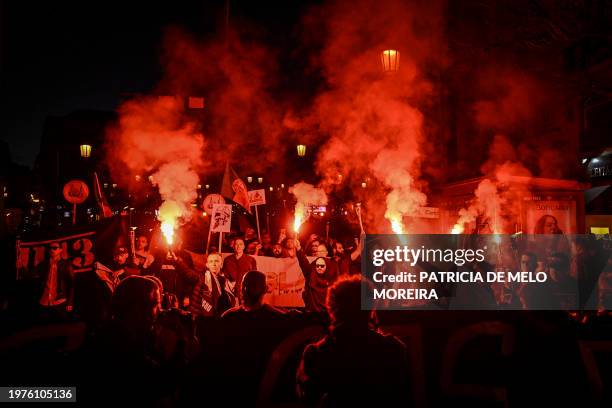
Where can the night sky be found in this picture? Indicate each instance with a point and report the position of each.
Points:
(58, 57)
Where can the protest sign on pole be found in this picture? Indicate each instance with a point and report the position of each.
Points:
(221, 220)
(207, 206)
(256, 198)
(75, 192)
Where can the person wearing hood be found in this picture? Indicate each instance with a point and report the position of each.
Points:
(319, 274)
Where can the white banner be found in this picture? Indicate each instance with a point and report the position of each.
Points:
(284, 278)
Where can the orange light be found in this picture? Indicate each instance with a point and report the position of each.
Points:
(299, 217)
(397, 227)
(85, 150)
(390, 60)
(457, 229)
(167, 228)
(301, 150)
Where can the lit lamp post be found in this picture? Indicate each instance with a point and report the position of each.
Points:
(390, 60)
(301, 150)
(85, 150)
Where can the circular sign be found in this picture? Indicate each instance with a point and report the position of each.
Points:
(210, 200)
(76, 191)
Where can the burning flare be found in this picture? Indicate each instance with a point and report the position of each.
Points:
(299, 217)
(457, 229)
(396, 226)
(169, 213)
(306, 194)
(167, 229)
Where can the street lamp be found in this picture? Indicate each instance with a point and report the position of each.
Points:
(390, 60)
(85, 150)
(301, 150)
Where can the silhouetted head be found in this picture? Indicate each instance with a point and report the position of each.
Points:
(344, 303)
(528, 262)
(136, 302)
(253, 288)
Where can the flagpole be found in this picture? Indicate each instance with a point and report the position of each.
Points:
(220, 241)
(208, 239)
(257, 218)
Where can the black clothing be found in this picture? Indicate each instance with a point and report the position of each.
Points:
(316, 285)
(355, 366)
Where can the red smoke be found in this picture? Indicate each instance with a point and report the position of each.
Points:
(373, 122)
(154, 138)
(238, 78)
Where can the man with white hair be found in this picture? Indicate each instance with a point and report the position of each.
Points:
(211, 295)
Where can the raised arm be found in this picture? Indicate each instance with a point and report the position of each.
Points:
(357, 251)
(302, 260)
(184, 269)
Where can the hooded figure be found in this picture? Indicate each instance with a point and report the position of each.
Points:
(319, 274)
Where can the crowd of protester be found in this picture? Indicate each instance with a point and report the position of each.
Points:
(169, 332)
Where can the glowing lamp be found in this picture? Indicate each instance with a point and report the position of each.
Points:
(85, 150)
(301, 150)
(390, 60)
(250, 179)
(260, 180)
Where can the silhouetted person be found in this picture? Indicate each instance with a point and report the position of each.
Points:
(535, 296)
(564, 286)
(355, 365)
(236, 353)
(120, 359)
(253, 307)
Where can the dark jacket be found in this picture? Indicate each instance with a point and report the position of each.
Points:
(205, 300)
(316, 285)
(354, 366)
(234, 269)
(63, 279)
